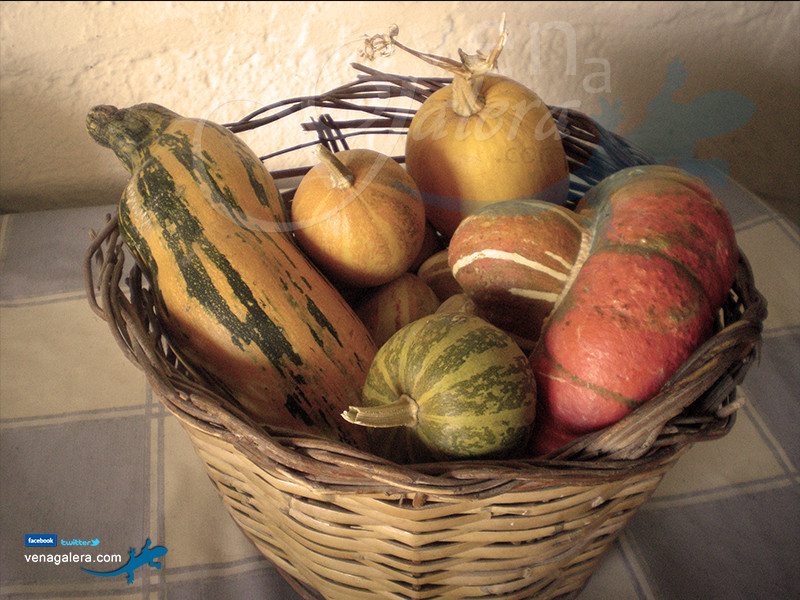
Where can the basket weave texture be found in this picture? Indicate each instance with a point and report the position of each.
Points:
(340, 523)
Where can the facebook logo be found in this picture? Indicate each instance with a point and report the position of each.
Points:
(40, 540)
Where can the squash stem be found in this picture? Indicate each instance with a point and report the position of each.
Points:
(467, 73)
(467, 100)
(341, 177)
(400, 413)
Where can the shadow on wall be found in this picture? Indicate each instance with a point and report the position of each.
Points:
(49, 161)
(672, 130)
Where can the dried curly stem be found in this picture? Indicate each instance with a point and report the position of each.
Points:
(467, 74)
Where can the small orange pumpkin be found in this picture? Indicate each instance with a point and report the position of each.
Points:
(481, 139)
(387, 308)
(359, 216)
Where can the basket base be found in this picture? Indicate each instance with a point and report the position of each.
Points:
(305, 592)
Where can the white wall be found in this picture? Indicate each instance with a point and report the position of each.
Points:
(220, 60)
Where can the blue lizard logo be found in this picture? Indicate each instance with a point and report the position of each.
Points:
(146, 556)
(671, 129)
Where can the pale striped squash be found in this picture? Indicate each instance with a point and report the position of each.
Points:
(436, 273)
(387, 308)
(515, 259)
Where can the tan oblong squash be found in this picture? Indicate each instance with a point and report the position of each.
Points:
(435, 271)
(239, 299)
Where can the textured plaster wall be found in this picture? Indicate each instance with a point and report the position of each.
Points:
(220, 60)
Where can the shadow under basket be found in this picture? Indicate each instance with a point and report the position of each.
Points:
(343, 524)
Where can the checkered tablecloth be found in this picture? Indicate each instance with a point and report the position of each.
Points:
(91, 458)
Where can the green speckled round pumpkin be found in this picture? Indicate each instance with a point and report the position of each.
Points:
(447, 386)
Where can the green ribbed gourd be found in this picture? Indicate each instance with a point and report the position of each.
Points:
(447, 386)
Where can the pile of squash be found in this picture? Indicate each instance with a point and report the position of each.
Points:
(450, 309)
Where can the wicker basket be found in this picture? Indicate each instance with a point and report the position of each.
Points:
(344, 524)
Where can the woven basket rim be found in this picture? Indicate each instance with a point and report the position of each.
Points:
(698, 403)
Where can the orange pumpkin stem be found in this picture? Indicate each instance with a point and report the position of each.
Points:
(467, 74)
(403, 412)
(341, 177)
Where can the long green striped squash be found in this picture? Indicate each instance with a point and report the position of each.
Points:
(204, 217)
(447, 386)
